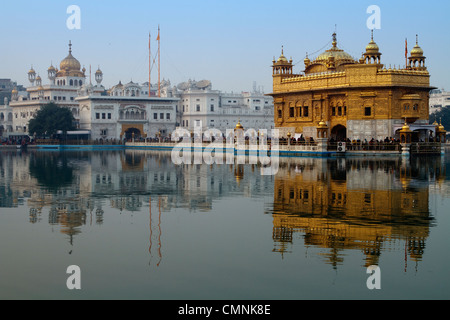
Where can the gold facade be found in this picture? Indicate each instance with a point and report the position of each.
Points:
(337, 89)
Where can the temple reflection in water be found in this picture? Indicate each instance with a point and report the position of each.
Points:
(371, 205)
(74, 188)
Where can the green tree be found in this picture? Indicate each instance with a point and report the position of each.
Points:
(51, 118)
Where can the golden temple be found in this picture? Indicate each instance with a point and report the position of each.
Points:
(356, 99)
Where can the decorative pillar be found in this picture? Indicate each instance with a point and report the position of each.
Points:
(441, 135)
(322, 136)
(239, 138)
(405, 139)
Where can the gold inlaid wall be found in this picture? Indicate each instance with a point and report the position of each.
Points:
(336, 88)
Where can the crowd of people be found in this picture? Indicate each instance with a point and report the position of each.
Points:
(16, 141)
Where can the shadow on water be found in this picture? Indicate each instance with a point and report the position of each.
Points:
(51, 170)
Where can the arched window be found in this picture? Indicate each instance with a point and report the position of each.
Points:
(71, 82)
(2, 116)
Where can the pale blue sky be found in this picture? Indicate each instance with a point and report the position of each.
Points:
(230, 42)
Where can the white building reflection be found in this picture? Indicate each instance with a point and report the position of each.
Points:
(74, 188)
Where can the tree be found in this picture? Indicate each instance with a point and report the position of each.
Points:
(51, 118)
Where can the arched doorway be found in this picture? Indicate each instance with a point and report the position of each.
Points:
(129, 134)
(339, 133)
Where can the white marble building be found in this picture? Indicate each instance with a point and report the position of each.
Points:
(6, 119)
(439, 99)
(128, 108)
(122, 116)
(62, 89)
(201, 106)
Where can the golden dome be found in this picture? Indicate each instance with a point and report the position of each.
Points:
(372, 47)
(51, 68)
(99, 71)
(14, 91)
(337, 54)
(31, 71)
(406, 128)
(307, 61)
(417, 51)
(340, 56)
(70, 63)
(282, 59)
(322, 124)
(239, 126)
(441, 128)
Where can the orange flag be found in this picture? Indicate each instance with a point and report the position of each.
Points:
(406, 48)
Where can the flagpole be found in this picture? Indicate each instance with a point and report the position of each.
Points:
(149, 66)
(159, 63)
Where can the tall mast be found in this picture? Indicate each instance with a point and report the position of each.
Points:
(149, 66)
(159, 63)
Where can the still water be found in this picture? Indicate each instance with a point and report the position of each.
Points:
(140, 227)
